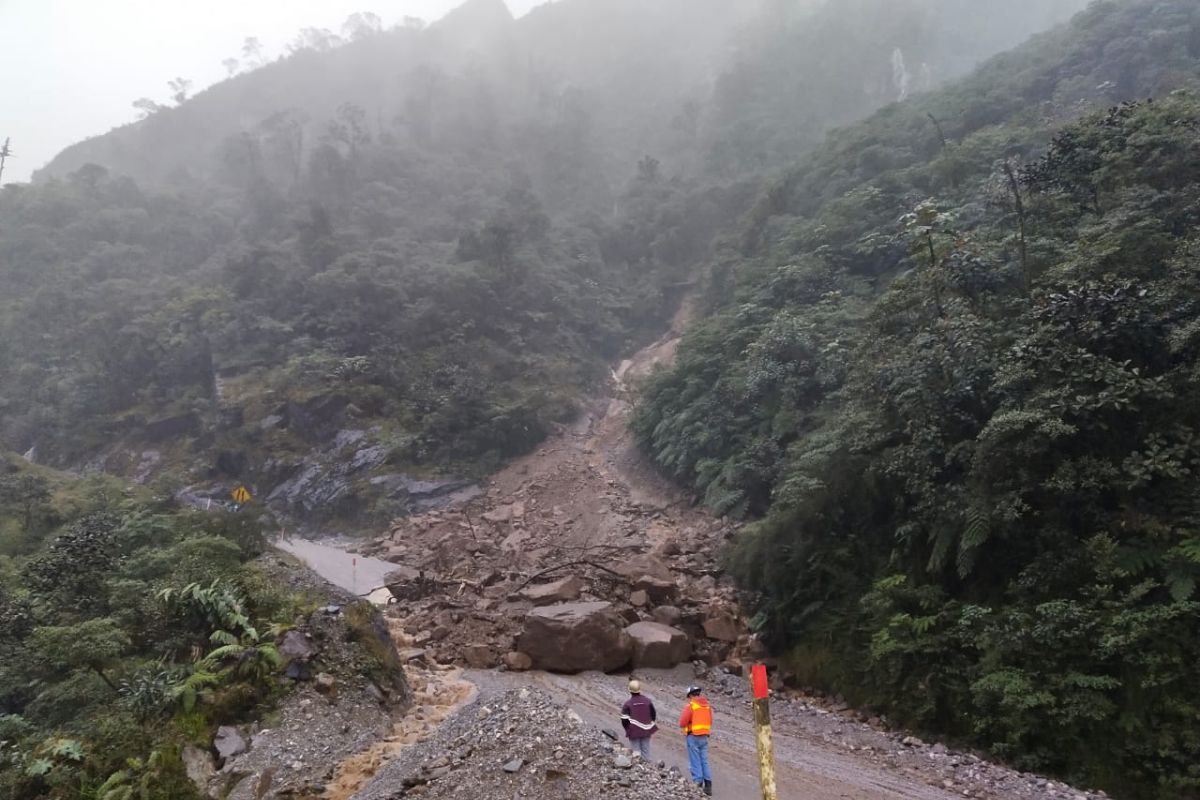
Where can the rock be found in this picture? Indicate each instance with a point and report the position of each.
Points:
(640, 598)
(518, 662)
(479, 656)
(912, 741)
(723, 627)
(326, 683)
(295, 646)
(622, 761)
(514, 766)
(499, 515)
(667, 615)
(229, 742)
(298, 671)
(575, 637)
(411, 654)
(650, 575)
(658, 646)
(565, 590)
(199, 766)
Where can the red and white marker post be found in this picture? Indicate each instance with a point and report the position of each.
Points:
(762, 730)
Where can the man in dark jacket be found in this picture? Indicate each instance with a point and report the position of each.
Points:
(638, 716)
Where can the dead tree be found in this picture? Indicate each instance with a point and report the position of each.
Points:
(5, 154)
(1019, 202)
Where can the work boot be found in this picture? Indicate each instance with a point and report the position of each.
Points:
(708, 788)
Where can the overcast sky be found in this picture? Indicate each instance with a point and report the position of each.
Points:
(73, 67)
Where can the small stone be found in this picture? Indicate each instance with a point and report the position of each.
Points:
(622, 761)
(514, 766)
(326, 683)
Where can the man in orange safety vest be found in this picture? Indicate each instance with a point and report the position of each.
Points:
(696, 723)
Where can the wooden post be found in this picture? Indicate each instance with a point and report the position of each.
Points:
(762, 730)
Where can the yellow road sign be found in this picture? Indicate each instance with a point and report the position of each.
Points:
(241, 495)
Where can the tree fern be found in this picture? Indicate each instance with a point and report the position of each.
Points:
(978, 530)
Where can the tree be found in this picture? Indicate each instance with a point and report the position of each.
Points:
(94, 645)
(26, 492)
(317, 40)
(361, 25)
(147, 107)
(252, 52)
(5, 154)
(647, 170)
(231, 66)
(179, 90)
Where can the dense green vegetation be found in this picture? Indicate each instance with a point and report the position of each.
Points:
(127, 630)
(436, 240)
(954, 360)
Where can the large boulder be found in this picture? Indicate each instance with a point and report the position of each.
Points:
(576, 637)
(565, 590)
(722, 626)
(658, 646)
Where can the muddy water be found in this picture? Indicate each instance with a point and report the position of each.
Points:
(437, 693)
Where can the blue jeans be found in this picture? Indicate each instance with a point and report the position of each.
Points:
(697, 747)
(641, 747)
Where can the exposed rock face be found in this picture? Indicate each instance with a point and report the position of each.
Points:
(574, 637)
(658, 646)
(561, 591)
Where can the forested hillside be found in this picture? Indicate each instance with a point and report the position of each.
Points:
(413, 251)
(128, 631)
(952, 360)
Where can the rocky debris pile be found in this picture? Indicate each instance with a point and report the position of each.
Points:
(483, 585)
(521, 744)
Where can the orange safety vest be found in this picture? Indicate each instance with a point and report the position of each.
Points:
(700, 719)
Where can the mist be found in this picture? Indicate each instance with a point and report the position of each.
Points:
(73, 68)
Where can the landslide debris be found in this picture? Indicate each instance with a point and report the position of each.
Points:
(521, 743)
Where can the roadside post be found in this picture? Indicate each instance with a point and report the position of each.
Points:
(762, 730)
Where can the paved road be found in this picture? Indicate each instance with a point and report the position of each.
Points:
(354, 573)
(806, 768)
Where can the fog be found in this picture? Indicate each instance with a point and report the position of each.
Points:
(73, 67)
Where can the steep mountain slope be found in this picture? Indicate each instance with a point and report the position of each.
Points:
(406, 255)
(952, 359)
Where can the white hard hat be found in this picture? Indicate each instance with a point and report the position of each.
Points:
(635, 687)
